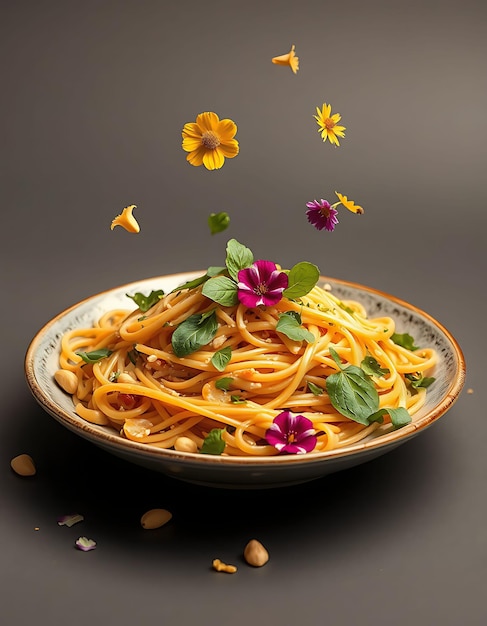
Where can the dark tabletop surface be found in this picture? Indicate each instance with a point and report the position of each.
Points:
(94, 97)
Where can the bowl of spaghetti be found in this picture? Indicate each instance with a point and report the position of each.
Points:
(176, 374)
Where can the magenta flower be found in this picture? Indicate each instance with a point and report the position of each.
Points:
(322, 214)
(261, 283)
(291, 433)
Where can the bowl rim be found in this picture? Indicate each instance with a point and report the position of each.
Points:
(108, 437)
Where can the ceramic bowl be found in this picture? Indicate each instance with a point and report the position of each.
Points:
(244, 472)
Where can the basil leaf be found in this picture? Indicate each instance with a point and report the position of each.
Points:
(94, 355)
(351, 392)
(346, 308)
(224, 383)
(238, 258)
(302, 278)
(315, 390)
(404, 340)
(221, 358)
(399, 417)
(145, 302)
(221, 289)
(371, 366)
(194, 332)
(191, 284)
(218, 222)
(215, 270)
(418, 380)
(290, 326)
(237, 400)
(132, 355)
(213, 443)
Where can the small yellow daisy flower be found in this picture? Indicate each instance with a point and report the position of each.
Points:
(209, 140)
(126, 220)
(349, 204)
(288, 59)
(328, 124)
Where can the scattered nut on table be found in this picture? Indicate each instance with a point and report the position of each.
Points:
(155, 518)
(23, 465)
(219, 566)
(255, 554)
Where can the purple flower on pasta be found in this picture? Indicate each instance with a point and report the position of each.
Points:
(261, 284)
(322, 215)
(291, 433)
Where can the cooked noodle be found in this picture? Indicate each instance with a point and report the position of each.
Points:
(153, 397)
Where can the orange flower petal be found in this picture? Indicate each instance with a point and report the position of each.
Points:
(126, 220)
(196, 157)
(191, 143)
(207, 120)
(192, 130)
(349, 204)
(229, 149)
(227, 129)
(213, 159)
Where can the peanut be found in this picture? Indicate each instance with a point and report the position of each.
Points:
(219, 566)
(126, 378)
(67, 380)
(155, 518)
(255, 554)
(23, 465)
(185, 444)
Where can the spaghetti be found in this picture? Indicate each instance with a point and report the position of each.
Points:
(140, 387)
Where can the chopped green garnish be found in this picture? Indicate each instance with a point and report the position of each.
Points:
(94, 355)
(289, 324)
(218, 222)
(417, 381)
(399, 417)
(213, 443)
(346, 308)
(404, 340)
(315, 390)
(146, 302)
(371, 366)
(133, 355)
(224, 383)
(196, 331)
(221, 358)
(237, 400)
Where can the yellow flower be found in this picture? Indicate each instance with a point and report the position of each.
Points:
(328, 124)
(126, 220)
(288, 59)
(349, 204)
(209, 140)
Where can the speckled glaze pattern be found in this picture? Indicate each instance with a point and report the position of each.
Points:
(41, 362)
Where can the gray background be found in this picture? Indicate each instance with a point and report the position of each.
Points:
(94, 96)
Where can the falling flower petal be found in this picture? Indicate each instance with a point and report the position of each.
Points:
(85, 544)
(349, 204)
(288, 59)
(126, 220)
(322, 215)
(210, 141)
(70, 520)
(291, 433)
(328, 124)
(261, 284)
